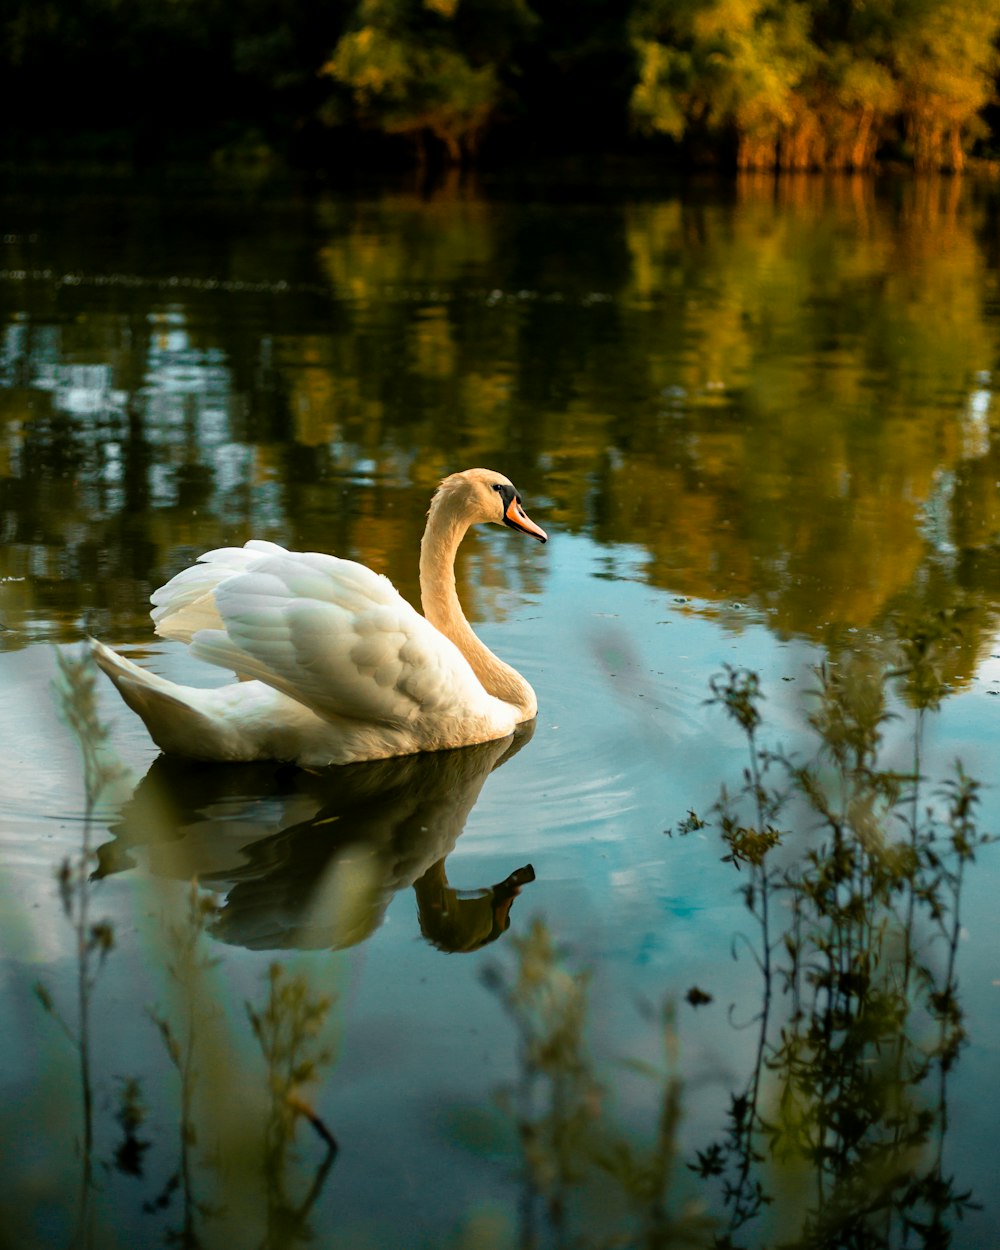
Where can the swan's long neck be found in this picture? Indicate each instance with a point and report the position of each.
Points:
(442, 608)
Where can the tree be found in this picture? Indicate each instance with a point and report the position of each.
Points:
(736, 64)
(430, 67)
(945, 60)
(808, 85)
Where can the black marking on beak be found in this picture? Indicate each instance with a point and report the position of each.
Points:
(515, 516)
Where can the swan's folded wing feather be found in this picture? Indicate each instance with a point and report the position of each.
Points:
(186, 603)
(338, 638)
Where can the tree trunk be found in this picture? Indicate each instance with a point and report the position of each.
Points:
(928, 154)
(756, 152)
(860, 154)
(957, 159)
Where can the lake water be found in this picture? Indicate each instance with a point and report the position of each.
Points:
(758, 424)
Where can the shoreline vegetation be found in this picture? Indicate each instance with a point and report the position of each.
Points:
(383, 84)
(839, 1136)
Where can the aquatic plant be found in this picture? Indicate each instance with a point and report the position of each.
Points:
(183, 1031)
(131, 1116)
(94, 938)
(221, 1088)
(226, 1144)
(840, 1127)
(836, 1137)
(586, 1181)
(290, 1028)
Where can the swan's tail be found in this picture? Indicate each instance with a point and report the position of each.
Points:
(170, 712)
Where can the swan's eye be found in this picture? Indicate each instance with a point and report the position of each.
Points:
(497, 487)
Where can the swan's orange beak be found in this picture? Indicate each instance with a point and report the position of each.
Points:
(516, 517)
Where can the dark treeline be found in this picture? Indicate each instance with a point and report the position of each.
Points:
(795, 84)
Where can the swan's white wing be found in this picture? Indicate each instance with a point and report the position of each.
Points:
(186, 603)
(337, 638)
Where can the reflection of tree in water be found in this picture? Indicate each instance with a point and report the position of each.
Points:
(313, 860)
(804, 488)
(784, 400)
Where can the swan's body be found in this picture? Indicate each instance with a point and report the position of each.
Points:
(335, 665)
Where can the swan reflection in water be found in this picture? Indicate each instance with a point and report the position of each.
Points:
(312, 861)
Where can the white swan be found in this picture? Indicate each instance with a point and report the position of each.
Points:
(335, 665)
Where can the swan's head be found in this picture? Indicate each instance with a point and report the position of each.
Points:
(479, 495)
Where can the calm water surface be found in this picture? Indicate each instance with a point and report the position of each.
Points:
(759, 427)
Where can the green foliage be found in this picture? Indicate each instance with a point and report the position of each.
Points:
(183, 1033)
(76, 693)
(131, 1115)
(416, 89)
(837, 1137)
(289, 1029)
(431, 68)
(724, 65)
(945, 59)
(847, 1105)
(786, 83)
(588, 1182)
(224, 1127)
(804, 85)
